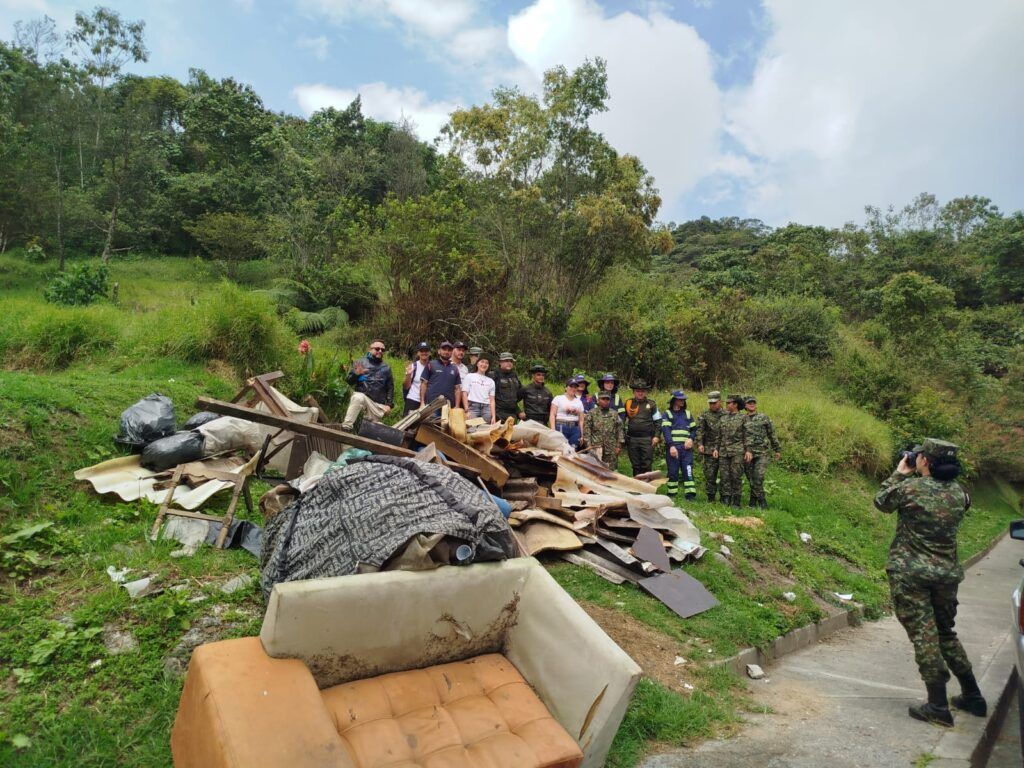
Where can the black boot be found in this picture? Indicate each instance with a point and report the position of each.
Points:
(970, 699)
(936, 709)
(762, 503)
(736, 501)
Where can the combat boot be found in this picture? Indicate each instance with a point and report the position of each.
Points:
(752, 502)
(762, 503)
(736, 501)
(970, 699)
(936, 709)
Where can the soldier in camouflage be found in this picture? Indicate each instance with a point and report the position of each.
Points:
(708, 428)
(729, 450)
(760, 443)
(924, 573)
(604, 431)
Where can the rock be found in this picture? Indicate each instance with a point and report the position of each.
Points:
(679, 661)
(66, 621)
(719, 557)
(235, 584)
(728, 539)
(754, 672)
(725, 550)
(118, 641)
(789, 597)
(687, 686)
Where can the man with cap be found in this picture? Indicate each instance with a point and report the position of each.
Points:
(708, 427)
(603, 430)
(609, 383)
(441, 377)
(588, 400)
(566, 414)
(414, 375)
(678, 429)
(458, 353)
(925, 572)
(374, 387)
(507, 388)
(643, 425)
(536, 397)
(729, 450)
(760, 443)
(474, 357)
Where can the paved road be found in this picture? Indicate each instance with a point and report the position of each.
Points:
(843, 702)
(1006, 750)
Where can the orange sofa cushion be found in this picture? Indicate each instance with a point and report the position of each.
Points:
(478, 713)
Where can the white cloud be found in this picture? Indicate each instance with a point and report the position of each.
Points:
(381, 102)
(318, 46)
(664, 106)
(435, 19)
(873, 102)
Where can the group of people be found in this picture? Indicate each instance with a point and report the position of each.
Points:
(735, 442)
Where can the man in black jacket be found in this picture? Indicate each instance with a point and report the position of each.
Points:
(374, 387)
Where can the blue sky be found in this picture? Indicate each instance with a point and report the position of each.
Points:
(777, 109)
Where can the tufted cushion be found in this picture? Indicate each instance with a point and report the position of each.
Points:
(478, 713)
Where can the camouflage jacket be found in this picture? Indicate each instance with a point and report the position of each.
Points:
(709, 427)
(732, 434)
(760, 435)
(602, 426)
(928, 512)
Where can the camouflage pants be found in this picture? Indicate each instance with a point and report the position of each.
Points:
(641, 454)
(710, 475)
(609, 452)
(754, 470)
(731, 468)
(927, 611)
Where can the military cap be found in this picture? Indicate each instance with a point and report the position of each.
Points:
(738, 399)
(639, 384)
(444, 344)
(423, 345)
(459, 345)
(609, 377)
(678, 395)
(750, 399)
(604, 394)
(538, 369)
(475, 351)
(939, 449)
(714, 397)
(505, 356)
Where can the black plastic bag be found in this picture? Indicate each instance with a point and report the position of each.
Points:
(171, 451)
(149, 419)
(199, 419)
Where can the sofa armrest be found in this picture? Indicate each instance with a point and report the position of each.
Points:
(241, 708)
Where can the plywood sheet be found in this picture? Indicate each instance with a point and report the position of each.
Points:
(682, 593)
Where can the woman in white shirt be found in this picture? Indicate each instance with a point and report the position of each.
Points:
(567, 414)
(478, 393)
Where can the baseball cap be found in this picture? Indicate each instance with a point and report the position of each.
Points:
(444, 344)
(423, 345)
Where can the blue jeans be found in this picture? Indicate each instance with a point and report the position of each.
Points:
(571, 430)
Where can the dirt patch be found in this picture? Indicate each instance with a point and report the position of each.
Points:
(654, 652)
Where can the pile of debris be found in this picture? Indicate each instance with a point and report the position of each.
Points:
(506, 489)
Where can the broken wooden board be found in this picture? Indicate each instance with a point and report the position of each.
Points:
(457, 424)
(540, 536)
(614, 536)
(600, 570)
(599, 558)
(411, 420)
(530, 515)
(680, 592)
(617, 552)
(650, 548)
(488, 468)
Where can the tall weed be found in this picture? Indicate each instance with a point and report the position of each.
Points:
(37, 335)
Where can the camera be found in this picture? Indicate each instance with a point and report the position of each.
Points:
(911, 454)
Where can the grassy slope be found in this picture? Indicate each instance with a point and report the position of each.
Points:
(120, 713)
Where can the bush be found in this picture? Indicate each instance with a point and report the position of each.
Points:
(799, 324)
(233, 237)
(34, 335)
(81, 284)
(235, 326)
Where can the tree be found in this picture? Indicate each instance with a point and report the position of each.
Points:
(914, 306)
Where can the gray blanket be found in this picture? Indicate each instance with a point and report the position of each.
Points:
(366, 512)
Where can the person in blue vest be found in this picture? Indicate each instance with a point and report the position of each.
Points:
(678, 428)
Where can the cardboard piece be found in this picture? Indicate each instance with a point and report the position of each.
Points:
(682, 593)
(650, 547)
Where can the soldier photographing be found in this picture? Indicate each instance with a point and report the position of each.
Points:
(925, 573)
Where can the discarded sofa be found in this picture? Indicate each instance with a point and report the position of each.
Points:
(486, 665)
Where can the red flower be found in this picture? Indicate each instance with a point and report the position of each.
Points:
(303, 347)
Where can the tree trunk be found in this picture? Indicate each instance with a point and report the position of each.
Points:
(81, 163)
(105, 257)
(58, 164)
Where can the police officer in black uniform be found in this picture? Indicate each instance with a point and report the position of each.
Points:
(643, 424)
(507, 387)
(536, 397)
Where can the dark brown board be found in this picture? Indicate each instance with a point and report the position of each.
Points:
(682, 593)
(650, 547)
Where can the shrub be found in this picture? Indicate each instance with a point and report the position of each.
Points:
(233, 237)
(34, 251)
(79, 285)
(800, 324)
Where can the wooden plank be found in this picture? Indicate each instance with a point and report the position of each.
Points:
(488, 468)
(457, 424)
(604, 573)
(410, 420)
(301, 427)
(610, 565)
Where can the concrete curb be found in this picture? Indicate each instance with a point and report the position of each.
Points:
(812, 633)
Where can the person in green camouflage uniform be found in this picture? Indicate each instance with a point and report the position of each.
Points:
(729, 450)
(924, 574)
(760, 443)
(708, 427)
(603, 429)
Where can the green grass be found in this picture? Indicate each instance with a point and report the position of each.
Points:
(70, 372)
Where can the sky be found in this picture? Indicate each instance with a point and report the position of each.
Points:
(779, 110)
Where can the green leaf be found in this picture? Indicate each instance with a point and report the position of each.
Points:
(26, 533)
(20, 741)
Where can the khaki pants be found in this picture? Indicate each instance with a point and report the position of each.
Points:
(360, 403)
